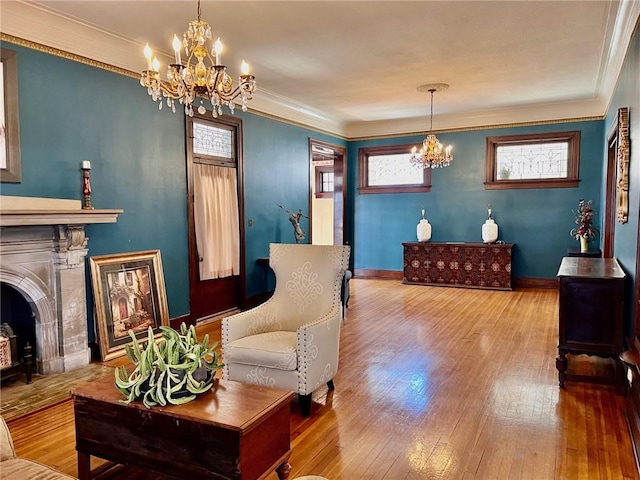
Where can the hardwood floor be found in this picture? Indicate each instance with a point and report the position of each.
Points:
(434, 383)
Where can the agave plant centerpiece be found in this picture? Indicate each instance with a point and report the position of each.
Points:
(172, 370)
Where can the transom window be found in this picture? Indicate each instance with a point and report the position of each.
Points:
(212, 141)
(543, 160)
(389, 170)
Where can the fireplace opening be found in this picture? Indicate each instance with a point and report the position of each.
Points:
(18, 327)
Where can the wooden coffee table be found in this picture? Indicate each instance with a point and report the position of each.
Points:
(238, 431)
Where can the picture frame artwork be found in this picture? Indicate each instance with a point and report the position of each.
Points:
(129, 294)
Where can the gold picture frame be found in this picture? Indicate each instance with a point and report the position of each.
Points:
(622, 186)
(129, 294)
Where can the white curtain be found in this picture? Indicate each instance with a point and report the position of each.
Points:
(217, 222)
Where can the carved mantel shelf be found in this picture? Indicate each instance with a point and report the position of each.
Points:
(32, 211)
(20, 218)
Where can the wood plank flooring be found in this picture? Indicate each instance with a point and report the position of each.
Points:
(434, 383)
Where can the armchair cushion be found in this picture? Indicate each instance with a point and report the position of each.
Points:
(273, 350)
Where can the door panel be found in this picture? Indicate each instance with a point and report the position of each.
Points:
(339, 194)
(208, 297)
(609, 216)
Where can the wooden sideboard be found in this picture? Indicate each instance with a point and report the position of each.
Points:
(631, 359)
(591, 316)
(469, 265)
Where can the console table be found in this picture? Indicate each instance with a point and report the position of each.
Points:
(469, 265)
(591, 315)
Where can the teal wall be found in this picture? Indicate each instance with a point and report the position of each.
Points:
(627, 94)
(276, 173)
(538, 221)
(75, 112)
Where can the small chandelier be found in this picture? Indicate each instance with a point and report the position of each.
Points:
(201, 74)
(431, 155)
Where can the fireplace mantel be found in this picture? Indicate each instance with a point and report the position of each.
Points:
(31, 211)
(43, 247)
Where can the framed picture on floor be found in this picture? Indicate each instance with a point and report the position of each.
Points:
(129, 294)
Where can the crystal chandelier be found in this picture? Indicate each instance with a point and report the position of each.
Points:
(431, 155)
(201, 74)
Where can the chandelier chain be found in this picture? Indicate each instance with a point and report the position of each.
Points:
(431, 123)
(432, 154)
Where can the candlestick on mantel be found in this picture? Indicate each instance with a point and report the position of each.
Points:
(86, 185)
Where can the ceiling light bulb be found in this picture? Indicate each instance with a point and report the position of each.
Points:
(176, 48)
(217, 47)
(176, 43)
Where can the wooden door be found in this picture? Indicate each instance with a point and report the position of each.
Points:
(209, 297)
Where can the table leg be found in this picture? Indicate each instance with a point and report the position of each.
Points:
(620, 376)
(84, 466)
(284, 469)
(561, 366)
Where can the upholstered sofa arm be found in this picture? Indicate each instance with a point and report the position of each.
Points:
(6, 443)
(12, 467)
(318, 351)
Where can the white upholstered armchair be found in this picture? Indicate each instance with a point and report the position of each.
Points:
(292, 340)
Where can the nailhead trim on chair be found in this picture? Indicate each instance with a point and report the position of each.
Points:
(302, 366)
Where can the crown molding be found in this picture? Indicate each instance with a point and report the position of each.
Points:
(31, 22)
(472, 120)
(272, 104)
(627, 19)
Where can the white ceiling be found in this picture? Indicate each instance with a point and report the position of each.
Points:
(352, 67)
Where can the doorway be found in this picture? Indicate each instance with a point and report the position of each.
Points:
(215, 218)
(327, 193)
(611, 180)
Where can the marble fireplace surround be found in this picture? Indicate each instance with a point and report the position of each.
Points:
(42, 255)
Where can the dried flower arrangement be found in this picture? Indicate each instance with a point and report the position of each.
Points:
(584, 221)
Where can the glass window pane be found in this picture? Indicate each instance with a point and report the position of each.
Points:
(213, 141)
(327, 181)
(532, 161)
(393, 170)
